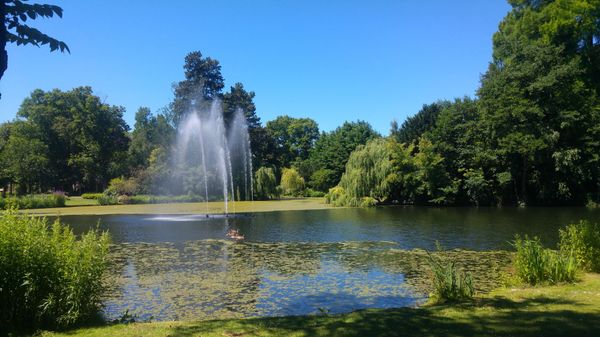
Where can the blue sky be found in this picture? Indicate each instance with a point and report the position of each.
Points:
(328, 60)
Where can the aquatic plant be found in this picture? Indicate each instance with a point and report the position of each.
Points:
(535, 264)
(48, 277)
(449, 283)
(582, 241)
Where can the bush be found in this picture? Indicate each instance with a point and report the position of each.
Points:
(107, 200)
(33, 201)
(48, 278)
(163, 199)
(582, 241)
(122, 186)
(313, 194)
(92, 196)
(535, 264)
(449, 284)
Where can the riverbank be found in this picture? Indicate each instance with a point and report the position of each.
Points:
(563, 310)
(215, 207)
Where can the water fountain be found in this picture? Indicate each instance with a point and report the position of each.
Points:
(214, 155)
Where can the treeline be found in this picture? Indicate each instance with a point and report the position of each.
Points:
(531, 137)
(74, 142)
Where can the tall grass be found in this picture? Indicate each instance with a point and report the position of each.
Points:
(449, 283)
(33, 201)
(535, 264)
(582, 241)
(48, 277)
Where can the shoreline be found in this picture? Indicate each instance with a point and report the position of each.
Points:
(188, 208)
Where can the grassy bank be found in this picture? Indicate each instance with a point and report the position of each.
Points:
(216, 207)
(564, 310)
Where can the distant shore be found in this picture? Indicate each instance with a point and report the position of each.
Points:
(214, 207)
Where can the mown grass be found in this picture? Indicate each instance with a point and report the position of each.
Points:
(561, 310)
(215, 207)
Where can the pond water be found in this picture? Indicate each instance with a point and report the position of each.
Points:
(303, 262)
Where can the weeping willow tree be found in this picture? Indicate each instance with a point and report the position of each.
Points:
(265, 183)
(291, 182)
(368, 179)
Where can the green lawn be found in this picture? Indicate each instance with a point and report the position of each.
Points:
(82, 207)
(79, 201)
(565, 310)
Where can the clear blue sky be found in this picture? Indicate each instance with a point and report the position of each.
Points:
(328, 60)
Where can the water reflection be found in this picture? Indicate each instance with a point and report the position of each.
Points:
(221, 279)
(301, 262)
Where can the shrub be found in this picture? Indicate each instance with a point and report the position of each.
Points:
(107, 200)
(449, 283)
(535, 264)
(313, 194)
(122, 186)
(33, 201)
(92, 196)
(582, 241)
(48, 278)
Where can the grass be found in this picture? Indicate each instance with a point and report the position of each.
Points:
(79, 201)
(81, 207)
(562, 310)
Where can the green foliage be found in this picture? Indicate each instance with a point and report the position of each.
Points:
(414, 127)
(48, 277)
(105, 200)
(33, 201)
(582, 241)
(535, 264)
(294, 137)
(69, 140)
(203, 83)
(93, 196)
(323, 179)
(291, 182)
(313, 194)
(265, 183)
(149, 133)
(121, 186)
(14, 15)
(449, 283)
(327, 159)
(368, 172)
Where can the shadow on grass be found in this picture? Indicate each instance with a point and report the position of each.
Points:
(504, 318)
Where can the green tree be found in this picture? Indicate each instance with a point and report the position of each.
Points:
(265, 183)
(15, 13)
(203, 83)
(149, 133)
(294, 137)
(291, 182)
(369, 173)
(544, 122)
(86, 139)
(542, 118)
(332, 150)
(415, 126)
(25, 159)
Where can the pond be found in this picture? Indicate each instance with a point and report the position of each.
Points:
(305, 262)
